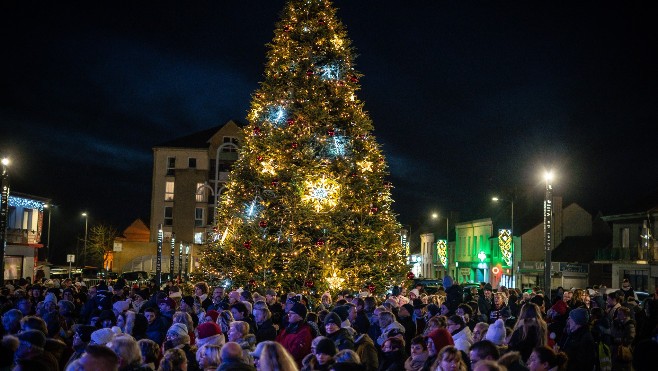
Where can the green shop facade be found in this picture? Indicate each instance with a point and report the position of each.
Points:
(482, 254)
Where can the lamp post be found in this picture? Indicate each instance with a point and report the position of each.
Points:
(436, 216)
(496, 199)
(50, 212)
(548, 232)
(84, 262)
(4, 214)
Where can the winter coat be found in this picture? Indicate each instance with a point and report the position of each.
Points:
(463, 339)
(296, 339)
(343, 339)
(580, 348)
(367, 352)
(394, 325)
(392, 361)
(265, 331)
(361, 323)
(248, 345)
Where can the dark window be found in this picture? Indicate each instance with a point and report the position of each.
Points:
(168, 215)
(191, 162)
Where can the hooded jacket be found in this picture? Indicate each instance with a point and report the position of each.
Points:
(365, 348)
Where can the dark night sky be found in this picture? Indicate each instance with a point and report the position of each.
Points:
(468, 98)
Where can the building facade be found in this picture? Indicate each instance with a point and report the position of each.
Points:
(632, 254)
(25, 224)
(572, 221)
(189, 174)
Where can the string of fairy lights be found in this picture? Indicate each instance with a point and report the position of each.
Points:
(306, 203)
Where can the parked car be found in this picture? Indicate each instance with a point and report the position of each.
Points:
(135, 276)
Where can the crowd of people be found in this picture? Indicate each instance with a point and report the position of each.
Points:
(65, 325)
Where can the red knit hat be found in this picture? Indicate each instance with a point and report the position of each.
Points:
(441, 338)
(560, 307)
(212, 314)
(208, 329)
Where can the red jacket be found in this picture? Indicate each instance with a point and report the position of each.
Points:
(297, 341)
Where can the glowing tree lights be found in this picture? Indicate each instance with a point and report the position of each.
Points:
(322, 215)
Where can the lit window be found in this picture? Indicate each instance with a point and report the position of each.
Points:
(200, 192)
(168, 215)
(198, 238)
(198, 217)
(169, 191)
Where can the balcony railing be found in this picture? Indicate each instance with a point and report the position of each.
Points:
(630, 254)
(22, 236)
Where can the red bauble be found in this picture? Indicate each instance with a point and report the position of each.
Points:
(331, 132)
(290, 122)
(379, 253)
(309, 72)
(309, 283)
(262, 223)
(373, 209)
(259, 158)
(275, 182)
(256, 130)
(294, 145)
(411, 275)
(321, 21)
(252, 282)
(371, 288)
(354, 79)
(319, 242)
(247, 245)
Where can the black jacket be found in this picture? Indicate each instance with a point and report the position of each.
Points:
(580, 348)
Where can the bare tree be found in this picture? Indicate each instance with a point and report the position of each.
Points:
(100, 244)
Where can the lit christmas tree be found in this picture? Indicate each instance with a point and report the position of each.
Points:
(307, 206)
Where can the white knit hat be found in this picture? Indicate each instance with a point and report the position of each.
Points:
(102, 336)
(496, 333)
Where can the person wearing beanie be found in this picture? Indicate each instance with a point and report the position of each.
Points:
(178, 338)
(296, 337)
(496, 332)
(177, 335)
(120, 307)
(578, 342)
(436, 340)
(211, 316)
(325, 350)
(340, 336)
(209, 333)
(102, 336)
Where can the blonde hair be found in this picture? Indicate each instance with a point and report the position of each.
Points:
(184, 318)
(126, 348)
(212, 353)
(449, 353)
(241, 327)
(274, 357)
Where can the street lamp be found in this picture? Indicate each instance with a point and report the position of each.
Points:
(84, 262)
(548, 232)
(496, 199)
(436, 216)
(50, 212)
(4, 214)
